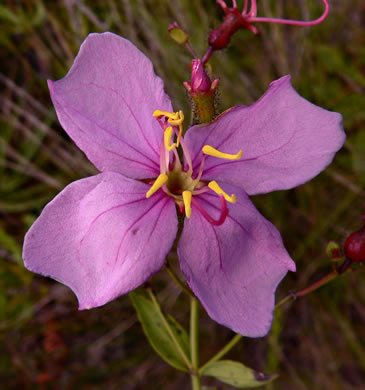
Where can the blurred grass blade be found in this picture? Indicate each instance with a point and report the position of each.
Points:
(11, 246)
(8, 15)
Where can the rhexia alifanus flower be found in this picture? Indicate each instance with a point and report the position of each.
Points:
(105, 235)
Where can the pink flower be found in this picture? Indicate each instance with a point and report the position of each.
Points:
(105, 235)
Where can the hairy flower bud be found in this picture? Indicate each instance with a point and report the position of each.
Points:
(355, 246)
(202, 90)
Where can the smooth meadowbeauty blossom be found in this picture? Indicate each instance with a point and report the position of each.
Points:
(105, 235)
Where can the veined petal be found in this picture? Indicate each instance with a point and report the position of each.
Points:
(105, 104)
(285, 140)
(101, 237)
(234, 268)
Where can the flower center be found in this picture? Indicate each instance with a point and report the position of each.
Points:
(180, 184)
(180, 181)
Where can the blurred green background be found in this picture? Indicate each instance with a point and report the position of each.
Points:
(317, 342)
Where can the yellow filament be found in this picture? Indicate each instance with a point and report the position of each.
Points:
(213, 185)
(187, 202)
(210, 151)
(159, 182)
(167, 139)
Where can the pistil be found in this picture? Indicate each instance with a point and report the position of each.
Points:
(210, 219)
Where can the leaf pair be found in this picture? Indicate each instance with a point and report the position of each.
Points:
(171, 341)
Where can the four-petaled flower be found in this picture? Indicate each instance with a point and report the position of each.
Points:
(105, 235)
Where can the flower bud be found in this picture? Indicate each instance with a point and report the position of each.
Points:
(200, 81)
(178, 34)
(202, 90)
(334, 252)
(355, 246)
(219, 38)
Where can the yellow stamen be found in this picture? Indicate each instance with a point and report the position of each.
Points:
(187, 202)
(178, 122)
(159, 182)
(167, 139)
(167, 114)
(174, 119)
(210, 151)
(213, 185)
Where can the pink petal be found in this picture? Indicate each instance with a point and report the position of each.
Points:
(101, 237)
(234, 268)
(285, 140)
(105, 104)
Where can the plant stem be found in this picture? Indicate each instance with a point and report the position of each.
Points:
(321, 282)
(177, 280)
(168, 328)
(194, 343)
(222, 352)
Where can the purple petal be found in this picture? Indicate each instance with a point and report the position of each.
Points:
(234, 268)
(105, 104)
(285, 140)
(101, 237)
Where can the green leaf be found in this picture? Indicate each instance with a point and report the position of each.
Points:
(236, 374)
(152, 320)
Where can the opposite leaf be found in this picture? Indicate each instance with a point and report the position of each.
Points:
(158, 335)
(236, 374)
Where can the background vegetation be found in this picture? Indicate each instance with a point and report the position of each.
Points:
(317, 342)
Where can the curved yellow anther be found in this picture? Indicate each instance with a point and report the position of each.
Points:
(174, 119)
(187, 195)
(178, 122)
(167, 114)
(210, 151)
(167, 139)
(159, 182)
(213, 185)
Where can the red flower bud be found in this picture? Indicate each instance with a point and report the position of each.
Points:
(355, 246)
(219, 38)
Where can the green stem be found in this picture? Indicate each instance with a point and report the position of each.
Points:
(222, 352)
(168, 328)
(332, 275)
(177, 280)
(194, 343)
